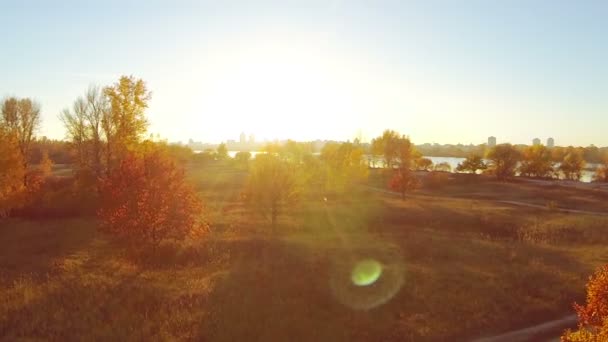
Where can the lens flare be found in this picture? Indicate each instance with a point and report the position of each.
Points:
(364, 278)
(366, 272)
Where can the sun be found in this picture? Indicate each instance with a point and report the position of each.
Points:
(280, 93)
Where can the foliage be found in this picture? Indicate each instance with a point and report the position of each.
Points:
(204, 157)
(403, 181)
(46, 165)
(503, 160)
(344, 165)
(272, 186)
(84, 127)
(424, 164)
(572, 165)
(443, 167)
(472, 164)
(242, 159)
(179, 153)
(601, 173)
(406, 153)
(12, 172)
(21, 117)
(146, 199)
(222, 152)
(536, 162)
(593, 316)
(125, 123)
(386, 146)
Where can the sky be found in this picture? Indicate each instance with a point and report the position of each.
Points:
(438, 71)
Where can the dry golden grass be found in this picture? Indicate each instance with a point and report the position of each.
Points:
(467, 268)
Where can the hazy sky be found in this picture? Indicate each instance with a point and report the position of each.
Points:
(439, 71)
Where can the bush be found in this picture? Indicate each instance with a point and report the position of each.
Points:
(146, 200)
(593, 316)
(59, 197)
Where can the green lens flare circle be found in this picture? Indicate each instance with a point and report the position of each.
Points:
(366, 272)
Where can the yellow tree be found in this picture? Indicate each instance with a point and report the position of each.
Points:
(344, 165)
(601, 173)
(503, 160)
(404, 179)
(272, 186)
(387, 146)
(536, 162)
(573, 164)
(46, 165)
(21, 117)
(125, 123)
(12, 172)
(471, 164)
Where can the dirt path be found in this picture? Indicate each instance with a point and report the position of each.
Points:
(518, 203)
(546, 332)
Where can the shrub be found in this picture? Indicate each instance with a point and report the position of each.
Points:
(593, 316)
(146, 199)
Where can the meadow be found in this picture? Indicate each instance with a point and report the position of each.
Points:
(457, 264)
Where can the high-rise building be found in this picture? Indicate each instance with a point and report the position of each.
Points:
(535, 142)
(550, 143)
(251, 139)
(243, 138)
(491, 141)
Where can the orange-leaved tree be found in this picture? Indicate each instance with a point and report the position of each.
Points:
(12, 172)
(593, 316)
(146, 198)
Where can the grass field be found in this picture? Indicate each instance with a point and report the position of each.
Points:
(457, 264)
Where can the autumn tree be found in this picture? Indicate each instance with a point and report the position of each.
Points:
(83, 125)
(46, 165)
(593, 316)
(424, 164)
(601, 172)
(403, 183)
(472, 164)
(503, 160)
(386, 146)
(573, 164)
(21, 117)
(403, 179)
(242, 159)
(272, 186)
(12, 172)
(344, 165)
(443, 167)
(146, 199)
(125, 122)
(536, 162)
(222, 152)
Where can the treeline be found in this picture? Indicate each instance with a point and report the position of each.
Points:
(591, 154)
(538, 161)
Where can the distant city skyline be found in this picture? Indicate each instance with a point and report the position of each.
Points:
(248, 139)
(445, 72)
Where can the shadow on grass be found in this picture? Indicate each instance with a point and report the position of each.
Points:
(272, 294)
(33, 247)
